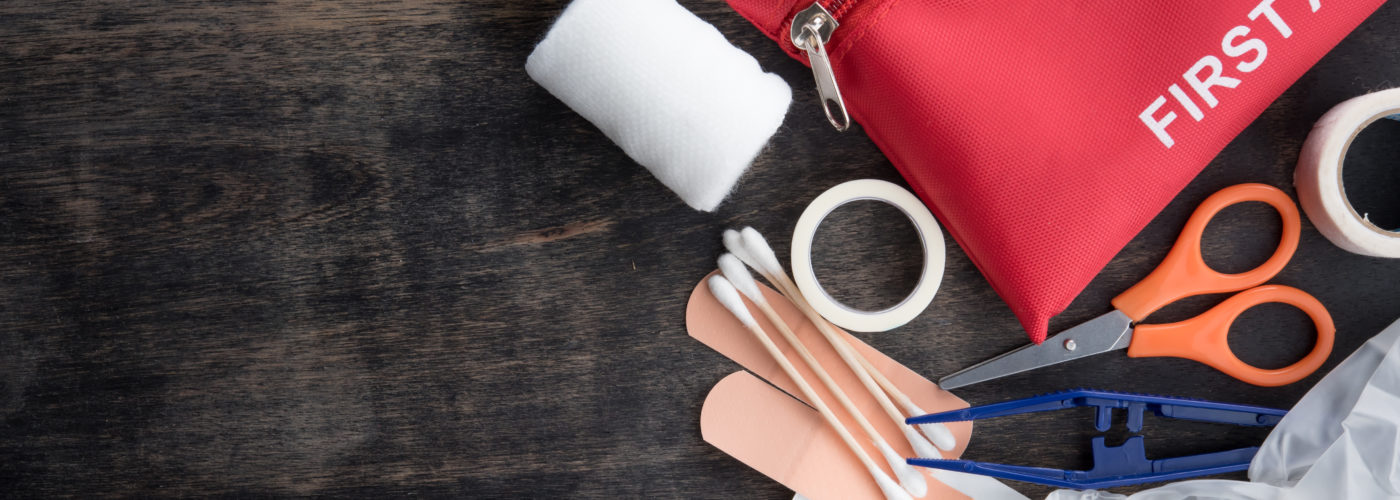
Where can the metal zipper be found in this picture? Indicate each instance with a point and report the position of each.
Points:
(838, 8)
(811, 30)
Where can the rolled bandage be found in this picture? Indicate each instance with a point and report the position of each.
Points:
(1319, 176)
(666, 87)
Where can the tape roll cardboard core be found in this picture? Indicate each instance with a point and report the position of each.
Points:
(1371, 189)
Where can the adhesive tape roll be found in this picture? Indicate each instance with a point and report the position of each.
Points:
(1319, 176)
(840, 314)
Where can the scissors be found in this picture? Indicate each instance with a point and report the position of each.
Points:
(1183, 273)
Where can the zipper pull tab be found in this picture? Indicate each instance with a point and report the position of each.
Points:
(811, 30)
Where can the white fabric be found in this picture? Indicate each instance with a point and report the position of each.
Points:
(667, 87)
(977, 487)
(974, 486)
(1339, 441)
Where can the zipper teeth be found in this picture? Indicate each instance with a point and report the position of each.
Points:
(838, 8)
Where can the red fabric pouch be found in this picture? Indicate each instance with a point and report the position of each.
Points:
(1081, 118)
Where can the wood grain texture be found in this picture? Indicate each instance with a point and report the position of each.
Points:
(291, 248)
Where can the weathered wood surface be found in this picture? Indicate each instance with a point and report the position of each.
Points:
(350, 249)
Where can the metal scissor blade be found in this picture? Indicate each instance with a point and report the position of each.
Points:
(1102, 334)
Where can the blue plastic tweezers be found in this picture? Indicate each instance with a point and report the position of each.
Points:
(1113, 465)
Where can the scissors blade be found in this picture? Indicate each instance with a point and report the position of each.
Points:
(1099, 335)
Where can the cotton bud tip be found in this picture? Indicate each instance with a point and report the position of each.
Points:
(758, 248)
(738, 275)
(939, 434)
(909, 478)
(891, 489)
(921, 446)
(724, 291)
(734, 243)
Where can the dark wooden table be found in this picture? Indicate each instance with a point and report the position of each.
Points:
(350, 249)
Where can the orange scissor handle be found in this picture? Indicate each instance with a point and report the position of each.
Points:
(1184, 273)
(1204, 338)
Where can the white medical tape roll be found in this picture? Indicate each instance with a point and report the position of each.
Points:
(845, 316)
(1319, 176)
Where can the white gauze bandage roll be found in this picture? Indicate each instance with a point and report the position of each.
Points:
(666, 87)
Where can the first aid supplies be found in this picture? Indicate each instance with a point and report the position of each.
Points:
(666, 87)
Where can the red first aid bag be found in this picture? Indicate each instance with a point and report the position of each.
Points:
(1045, 135)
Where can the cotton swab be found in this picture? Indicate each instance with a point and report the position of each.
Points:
(724, 291)
(734, 243)
(757, 248)
(764, 261)
(739, 277)
(935, 432)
